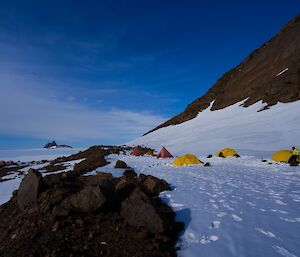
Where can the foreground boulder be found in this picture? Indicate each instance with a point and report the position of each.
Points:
(31, 186)
(138, 211)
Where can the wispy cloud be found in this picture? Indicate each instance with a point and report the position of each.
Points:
(28, 109)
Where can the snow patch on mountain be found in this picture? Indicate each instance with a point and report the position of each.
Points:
(244, 129)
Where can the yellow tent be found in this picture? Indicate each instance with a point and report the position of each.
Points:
(282, 156)
(186, 160)
(149, 152)
(226, 152)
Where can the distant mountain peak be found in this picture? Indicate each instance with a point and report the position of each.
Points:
(53, 144)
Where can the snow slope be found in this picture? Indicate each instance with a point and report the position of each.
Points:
(235, 208)
(235, 126)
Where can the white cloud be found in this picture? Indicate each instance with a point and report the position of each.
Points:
(28, 107)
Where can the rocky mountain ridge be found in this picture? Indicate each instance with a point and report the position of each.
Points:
(270, 73)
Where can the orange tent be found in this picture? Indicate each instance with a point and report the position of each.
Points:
(164, 153)
(136, 152)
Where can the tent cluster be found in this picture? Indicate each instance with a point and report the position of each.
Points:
(188, 159)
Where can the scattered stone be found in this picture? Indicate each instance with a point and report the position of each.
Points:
(130, 173)
(207, 164)
(55, 227)
(209, 156)
(154, 186)
(121, 165)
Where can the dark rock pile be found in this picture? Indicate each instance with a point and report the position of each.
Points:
(70, 215)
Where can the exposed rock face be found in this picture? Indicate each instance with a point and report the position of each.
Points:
(50, 144)
(270, 73)
(53, 144)
(31, 186)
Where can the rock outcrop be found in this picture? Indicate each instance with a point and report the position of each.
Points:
(71, 215)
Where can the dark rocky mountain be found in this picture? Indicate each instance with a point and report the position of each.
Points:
(270, 73)
(53, 144)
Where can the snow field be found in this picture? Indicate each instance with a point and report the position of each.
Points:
(236, 207)
(235, 126)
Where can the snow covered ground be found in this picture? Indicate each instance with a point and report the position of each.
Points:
(28, 155)
(237, 207)
(37, 154)
(235, 126)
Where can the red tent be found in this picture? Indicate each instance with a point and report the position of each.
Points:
(164, 153)
(136, 152)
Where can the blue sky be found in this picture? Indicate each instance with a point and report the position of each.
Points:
(105, 72)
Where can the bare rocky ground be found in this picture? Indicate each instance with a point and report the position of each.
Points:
(69, 214)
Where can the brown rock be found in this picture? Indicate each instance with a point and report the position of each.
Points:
(96, 179)
(55, 227)
(88, 199)
(123, 189)
(121, 165)
(130, 173)
(138, 211)
(154, 185)
(31, 186)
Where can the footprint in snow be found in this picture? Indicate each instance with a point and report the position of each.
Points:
(280, 202)
(221, 214)
(251, 204)
(215, 224)
(288, 220)
(207, 239)
(282, 251)
(236, 218)
(266, 233)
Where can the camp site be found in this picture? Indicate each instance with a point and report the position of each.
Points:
(149, 128)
